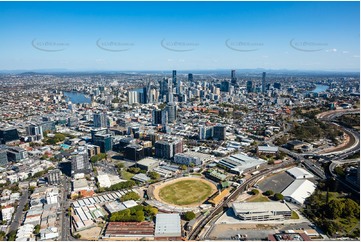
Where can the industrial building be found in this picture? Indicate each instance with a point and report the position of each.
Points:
(240, 163)
(168, 226)
(261, 211)
(298, 191)
(299, 173)
(130, 230)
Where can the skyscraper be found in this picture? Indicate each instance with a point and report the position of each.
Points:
(133, 97)
(100, 120)
(174, 78)
(190, 77)
(249, 86)
(170, 93)
(172, 112)
(156, 116)
(263, 82)
(233, 77)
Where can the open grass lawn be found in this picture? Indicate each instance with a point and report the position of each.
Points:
(127, 175)
(185, 192)
(294, 215)
(258, 198)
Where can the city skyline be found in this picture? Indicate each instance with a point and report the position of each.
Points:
(157, 36)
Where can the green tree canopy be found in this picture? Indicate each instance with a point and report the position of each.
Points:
(189, 215)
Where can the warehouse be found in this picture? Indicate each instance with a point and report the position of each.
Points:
(298, 191)
(130, 230)
(240, 163)
(168, 226)
(261, 211)
(299, 173)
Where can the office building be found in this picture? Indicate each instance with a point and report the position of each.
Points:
(16, 154)
(186, 159)
(174, 78)
(156, 117)
(54, 177)
(103, 139)
(225, 86)
(263, 82)
(3, 156)
(100, 120)
(166, 149)
(134, 152)
(48, 126)
(277, 85)
(171, 109)
(35, 130)
(190, 77)
(80, 163)
(8, 135)
(219, 132)
(233, 77)
(250, 87)
(205, 132)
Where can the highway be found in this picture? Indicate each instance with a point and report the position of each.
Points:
(193, 235)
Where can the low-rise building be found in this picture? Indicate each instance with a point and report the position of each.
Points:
(148, 164)
(130, 230)
(299, 173)
(298, 191)
(168, 226)
(261, 211)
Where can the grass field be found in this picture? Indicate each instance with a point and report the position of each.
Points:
(258, 198)
(185, 192)
(127, 175)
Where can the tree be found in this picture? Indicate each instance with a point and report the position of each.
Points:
(130, 196)
(255, 191)
(189, 215)
(134, 170)
(2, 235)
(335, 208)
(351, 208)
(153, 175)
(150, 211)
(37, 229)
(77, 236)
(11, 235)
(278, 196)
(98, 157)
(268, 193)
(183, 167)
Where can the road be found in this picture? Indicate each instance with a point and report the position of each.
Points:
(18, 217)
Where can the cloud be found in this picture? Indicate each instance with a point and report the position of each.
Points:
(345, 52)
(332, 50)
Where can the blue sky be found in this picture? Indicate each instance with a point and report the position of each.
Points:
(180, 35)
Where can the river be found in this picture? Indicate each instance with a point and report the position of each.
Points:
(76, 97)
(320, 88)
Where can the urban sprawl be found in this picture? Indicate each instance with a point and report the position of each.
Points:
(180, 156)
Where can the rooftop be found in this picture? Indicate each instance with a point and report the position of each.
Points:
(168, 225)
